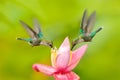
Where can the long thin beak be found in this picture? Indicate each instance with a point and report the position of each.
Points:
(46, 43)
(77, 41)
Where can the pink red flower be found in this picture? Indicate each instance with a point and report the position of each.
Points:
(63, 62)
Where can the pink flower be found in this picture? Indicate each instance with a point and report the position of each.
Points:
(63, 62)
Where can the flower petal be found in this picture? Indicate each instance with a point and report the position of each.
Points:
(60, 77)
(65, 47)
(63, 54)
(53, 56)
(45, 69)
(67, 76)
(76, 56)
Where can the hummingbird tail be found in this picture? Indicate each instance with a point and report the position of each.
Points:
(25, 39)
(21, 39)
(94, 33)
(99, 29)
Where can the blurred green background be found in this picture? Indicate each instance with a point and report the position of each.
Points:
(59, 18)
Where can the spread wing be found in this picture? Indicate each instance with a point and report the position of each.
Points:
(84, 20)
(29, 30)
(37, 28)
(90, 22)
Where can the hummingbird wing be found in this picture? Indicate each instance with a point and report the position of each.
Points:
(29, 30)
(90, 23)
(37, 28)
(84, 21)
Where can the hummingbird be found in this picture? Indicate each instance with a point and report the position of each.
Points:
(85, 33)
(36, 35)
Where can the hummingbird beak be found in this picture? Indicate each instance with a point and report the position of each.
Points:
(77, 41)
(50, 44)
(47, 43)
